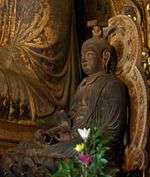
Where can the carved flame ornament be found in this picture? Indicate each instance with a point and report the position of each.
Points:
(127, 40)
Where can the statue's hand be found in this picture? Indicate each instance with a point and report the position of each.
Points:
(62, 114)
(62, 124)
(62, 120)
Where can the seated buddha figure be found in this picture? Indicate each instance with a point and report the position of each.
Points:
(100, 98)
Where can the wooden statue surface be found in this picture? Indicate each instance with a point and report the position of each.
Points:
(127, 40)
(100, 98)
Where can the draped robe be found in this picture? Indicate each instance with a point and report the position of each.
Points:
(100, 98)
(39, 63)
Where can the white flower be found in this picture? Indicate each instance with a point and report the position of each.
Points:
(84, 133)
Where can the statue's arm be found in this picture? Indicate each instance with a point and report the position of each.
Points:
(79, 107)
(111, 110)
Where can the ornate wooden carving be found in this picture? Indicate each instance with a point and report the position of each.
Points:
(127, 34)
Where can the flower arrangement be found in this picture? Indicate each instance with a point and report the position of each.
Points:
(91, 160)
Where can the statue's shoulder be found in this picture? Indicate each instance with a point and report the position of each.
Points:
(112, 82)
(107, 80)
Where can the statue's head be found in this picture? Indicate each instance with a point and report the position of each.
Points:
(98, 56)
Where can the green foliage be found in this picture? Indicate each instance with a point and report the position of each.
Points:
(96, 147)
(70, 168)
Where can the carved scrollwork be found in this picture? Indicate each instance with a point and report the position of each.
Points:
(127, 36)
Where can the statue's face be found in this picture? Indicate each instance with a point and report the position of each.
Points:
(90, 64)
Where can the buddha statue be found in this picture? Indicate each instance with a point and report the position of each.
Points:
(38, 74)
(100, 97)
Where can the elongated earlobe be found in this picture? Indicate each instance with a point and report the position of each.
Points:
(106, 59)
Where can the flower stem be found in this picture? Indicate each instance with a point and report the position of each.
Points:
(85, 171)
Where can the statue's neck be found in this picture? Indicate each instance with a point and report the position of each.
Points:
(100, 73)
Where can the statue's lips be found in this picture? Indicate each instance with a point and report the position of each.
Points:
(85, 66)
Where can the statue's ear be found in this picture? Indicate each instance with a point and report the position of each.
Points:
(105, 59)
